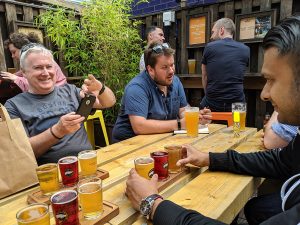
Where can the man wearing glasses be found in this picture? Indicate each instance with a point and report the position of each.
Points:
(154, 100)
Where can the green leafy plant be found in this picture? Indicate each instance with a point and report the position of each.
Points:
(103, 41)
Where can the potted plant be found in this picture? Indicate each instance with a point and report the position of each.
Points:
(103, 41)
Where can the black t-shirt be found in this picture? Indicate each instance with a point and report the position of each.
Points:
(226, 61)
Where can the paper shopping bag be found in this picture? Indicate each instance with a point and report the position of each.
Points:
(17, 160)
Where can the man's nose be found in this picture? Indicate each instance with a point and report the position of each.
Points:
(265, 93)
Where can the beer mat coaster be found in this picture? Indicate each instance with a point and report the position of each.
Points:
(110, 211)
(172, 178)
(202, 130)
(38, 196)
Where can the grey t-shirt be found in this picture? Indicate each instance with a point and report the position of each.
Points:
(39, 112)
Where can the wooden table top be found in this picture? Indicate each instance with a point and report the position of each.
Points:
(200, 190)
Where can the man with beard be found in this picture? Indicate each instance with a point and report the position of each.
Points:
(281, 69)
(223, 66)
(154, 100)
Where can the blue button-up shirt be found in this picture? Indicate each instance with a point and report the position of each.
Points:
(142, 97)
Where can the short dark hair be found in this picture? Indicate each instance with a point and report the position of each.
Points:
(286, 38)
(151, 56)
(149, 30)
(20, 39)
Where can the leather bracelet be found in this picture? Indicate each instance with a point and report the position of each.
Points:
(178, 124)
(102, 90)
(51, 131)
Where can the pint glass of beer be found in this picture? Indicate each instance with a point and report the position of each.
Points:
(88, 162)
(240, 107)
(174, 154)
(65, 207)
(144, 167)
(90, 197)
(68, 167)
(191, 115)
(35, 214)
(161, 164)
(48, 178)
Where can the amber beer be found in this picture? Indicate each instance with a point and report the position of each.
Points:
(191, 115)
(91, 197)
(88, 162)
(242, 108)
(174, 153)
(35, 214)
(48, 178)
(144, 167)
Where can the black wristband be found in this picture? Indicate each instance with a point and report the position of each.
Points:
(178, 124)
(51, 131)
(102, 89)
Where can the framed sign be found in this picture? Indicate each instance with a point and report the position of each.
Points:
(197, 30)
(27, 27)
(254, 26)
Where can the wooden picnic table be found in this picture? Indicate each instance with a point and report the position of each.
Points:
(218, 195)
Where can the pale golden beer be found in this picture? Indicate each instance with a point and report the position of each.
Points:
(91, 197)
(243, 121)
(191, 115)
(35, 214)
(88, 162)
(192, 66)
(144, 167)
(48, 178)
(175, 153)
(242, 108)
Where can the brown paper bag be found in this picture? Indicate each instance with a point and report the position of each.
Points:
(17, 160)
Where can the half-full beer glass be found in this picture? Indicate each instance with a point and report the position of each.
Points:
(191, 115)
(88, 162)
(240, 107)
(144, 167)
(48, 178)
(174, 154)
(91, 197)
(35, 214)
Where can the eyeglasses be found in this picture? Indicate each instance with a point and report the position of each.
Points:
(159, 48)
(28, 46)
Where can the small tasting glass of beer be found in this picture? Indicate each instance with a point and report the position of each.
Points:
(88, 162)
(90, 197)
(161, 164)
(191, 115)
(35, 214)
(65, 207)
(240, 107)
(174, 154)
(48, 178)
(144, 166)
(68, 167)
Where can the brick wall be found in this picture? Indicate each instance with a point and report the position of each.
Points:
(154, 6)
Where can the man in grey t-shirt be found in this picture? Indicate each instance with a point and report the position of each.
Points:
(48, 112)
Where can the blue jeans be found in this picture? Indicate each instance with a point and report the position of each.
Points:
(263, 207)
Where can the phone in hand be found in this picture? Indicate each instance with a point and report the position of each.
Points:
(86, 106)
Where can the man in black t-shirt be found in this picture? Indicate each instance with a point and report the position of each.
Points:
(223, 66)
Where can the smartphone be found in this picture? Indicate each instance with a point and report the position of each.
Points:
(86, 106)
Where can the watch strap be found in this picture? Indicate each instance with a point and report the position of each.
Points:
(151, 199)
(178, 123)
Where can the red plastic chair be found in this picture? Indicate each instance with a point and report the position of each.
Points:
(225, 116)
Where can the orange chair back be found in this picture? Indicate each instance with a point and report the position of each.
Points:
(226, 116)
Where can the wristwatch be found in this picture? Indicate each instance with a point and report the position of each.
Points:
(147, 204)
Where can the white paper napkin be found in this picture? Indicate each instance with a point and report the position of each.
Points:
(202, 130)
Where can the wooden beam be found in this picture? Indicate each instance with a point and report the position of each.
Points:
(286, 8)
(265, 5)
(28, 14)
(11, 17)
(2, 56)
(229, 10)
(246, 6)
(184, 51)
(62, 3)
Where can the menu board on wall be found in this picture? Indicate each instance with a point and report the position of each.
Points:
(197, 30)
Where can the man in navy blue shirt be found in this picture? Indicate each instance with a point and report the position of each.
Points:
(154, 100)
(223, 66)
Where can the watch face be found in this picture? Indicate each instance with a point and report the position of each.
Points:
(145, 207)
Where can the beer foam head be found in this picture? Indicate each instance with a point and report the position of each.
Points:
(63, 197)
(87, 155)
(68, 160)
(144, 160)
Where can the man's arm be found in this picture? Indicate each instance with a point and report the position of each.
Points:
(105, 99)
(67, 124)
(204, 76)
(274, 135)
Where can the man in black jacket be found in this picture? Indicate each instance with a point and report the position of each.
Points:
(281, 69)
